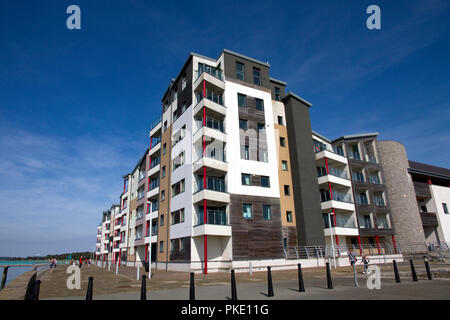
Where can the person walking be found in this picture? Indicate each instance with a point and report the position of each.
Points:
(365, 261)
(352, 257)
(81, 261)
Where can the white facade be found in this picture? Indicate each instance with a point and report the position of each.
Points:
(440, 196)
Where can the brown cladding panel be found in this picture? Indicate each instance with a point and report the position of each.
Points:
(256, 238)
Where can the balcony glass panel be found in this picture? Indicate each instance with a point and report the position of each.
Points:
(212, 183)
(155, 141)
(214, 215)
(215, 72)
(212, 96)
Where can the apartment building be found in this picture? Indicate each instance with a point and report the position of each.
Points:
(229, 177)
(432, 191)
(336, 193)
(373, 212)
(105, 234)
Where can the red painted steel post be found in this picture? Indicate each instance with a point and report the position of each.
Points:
(395, 245)
(378, 244)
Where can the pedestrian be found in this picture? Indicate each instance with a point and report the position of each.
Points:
(81, 261)
(50, 261)
(352, 257)
(365, 261)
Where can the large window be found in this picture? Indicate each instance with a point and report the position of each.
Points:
(247, 211)
(265, 182)
(267, 215)
(444, 206)
(289, 216)
(178, 216)
(240, 71)
(277, 94)
(243, 124)
(259, 104)
(245, 179)
(178, 188)
(257, 76)
(242, 100)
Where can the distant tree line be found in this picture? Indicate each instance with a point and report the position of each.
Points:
(59, 256)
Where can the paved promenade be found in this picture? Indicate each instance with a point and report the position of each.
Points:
(175, 285)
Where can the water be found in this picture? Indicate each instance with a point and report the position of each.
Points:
(14, 272)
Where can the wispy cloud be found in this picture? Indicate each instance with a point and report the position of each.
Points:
(53, 189)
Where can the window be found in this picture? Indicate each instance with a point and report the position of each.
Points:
(178, 188)
(175, 116)
(257, 76)
(178, 161)
(286, 190)
(284, 165)
(164, 148)
(277, 94)
(444, 206)
(280, 120)
(282, 142)
(163, 195)
(183, 82)
(245, 179)
(240, 71)
(247, 211)
(161, 220)
(285, 243)
(265, 182)
(289, 216)
(178, 216)
(165, 125)
(261, 126)
(161, 246)
(259, 104)
(246, 153)
(163, 172)
(242, 100)
(243, 124)
(266, 212)
(175, 95)
(362, 199)
(184, 107)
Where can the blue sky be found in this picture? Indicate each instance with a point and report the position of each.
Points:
(76, 106)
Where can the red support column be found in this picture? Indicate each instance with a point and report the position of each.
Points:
(205, 238)
(429, 181)
(378, 244)
(395, 245)
(146, 252)
(331, 196)
(120, 254)
(359, 244)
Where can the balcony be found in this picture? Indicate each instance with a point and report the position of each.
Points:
(345, 225)
(422, 189)
(429, 219)
(330, 154)
(214, 107)
(215, 191)
(154, 124)
(379, 201)
(354, 155)
(155, 145)
(210, 134)
(211, 75)
(216, 224)
(341, 201)
(336, 176)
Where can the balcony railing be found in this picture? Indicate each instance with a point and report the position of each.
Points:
(155, 141)
(374, 180)
(354, 155)
(154, 230)
(211, 123)
(379, 201)
(340, 173)
(337, 196)
(333, 149)
(154, 162)
(382, 223)
(212, 153)
(215, 72)
(212, 217)
(212, 183)
(212, 96)
(153, 184)
(361, 200)
(372, 159)
(341, 222)
(155, 122)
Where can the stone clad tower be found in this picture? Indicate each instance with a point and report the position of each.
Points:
(404, 208)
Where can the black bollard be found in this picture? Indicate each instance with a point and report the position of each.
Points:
(269, 283)
(427, 267)
(192, 288)
(89, 289)
(144, 288)
(233, 287)
(413, 270)
(329, 282)
(37, 285)
(301, 286)
(5, 274)
(397, 276)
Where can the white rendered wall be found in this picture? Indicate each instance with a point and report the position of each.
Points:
(442, 195)
(236, 165)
